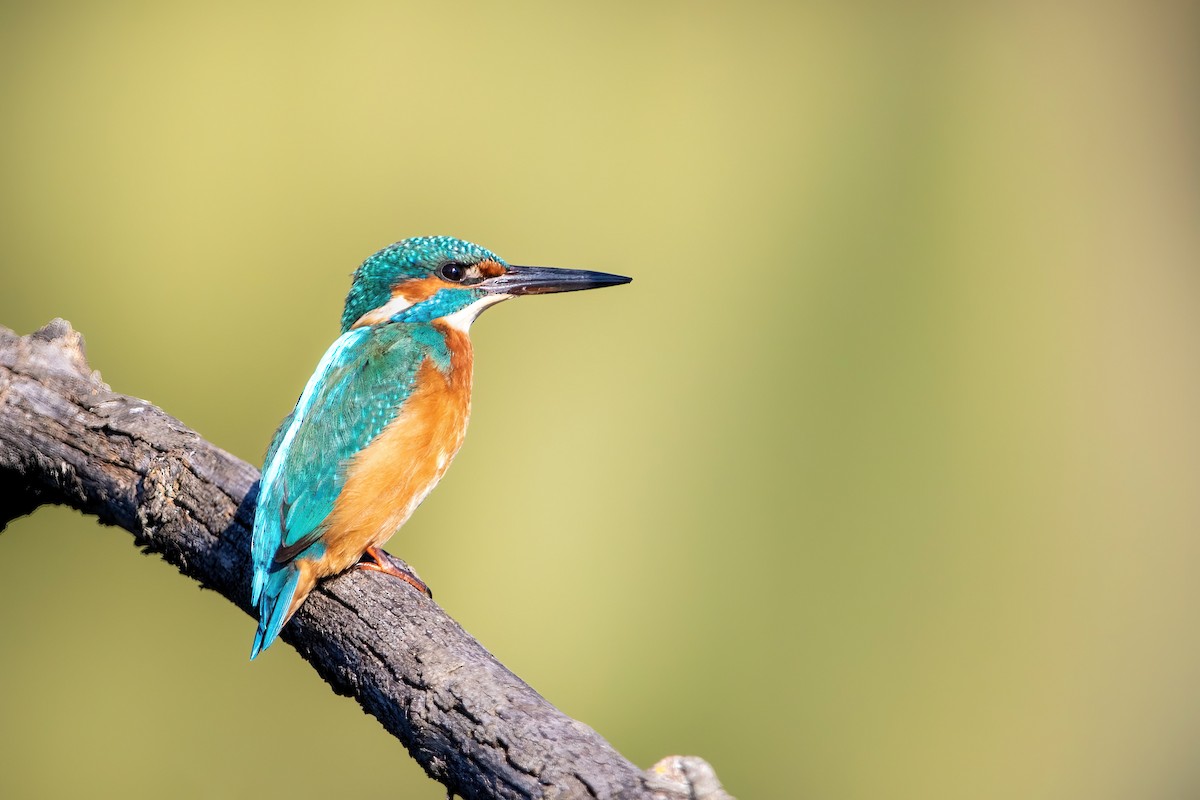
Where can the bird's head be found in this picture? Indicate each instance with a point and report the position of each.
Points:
(440, 277)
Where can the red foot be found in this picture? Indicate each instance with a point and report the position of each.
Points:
(380, 562)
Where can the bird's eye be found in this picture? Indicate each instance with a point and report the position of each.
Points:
(453, 272)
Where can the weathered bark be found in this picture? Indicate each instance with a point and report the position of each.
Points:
(66, 438)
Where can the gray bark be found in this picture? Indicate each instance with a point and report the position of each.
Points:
(66, 438)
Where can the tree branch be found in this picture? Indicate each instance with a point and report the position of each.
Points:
(66, 438)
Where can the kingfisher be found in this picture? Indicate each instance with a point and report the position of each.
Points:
(382, 416)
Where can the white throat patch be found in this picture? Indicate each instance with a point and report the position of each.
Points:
(461, 320)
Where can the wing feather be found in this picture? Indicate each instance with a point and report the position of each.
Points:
(355, 392)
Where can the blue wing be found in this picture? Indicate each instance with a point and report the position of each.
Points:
(354, 393)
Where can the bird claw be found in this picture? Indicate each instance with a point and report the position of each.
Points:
(377, 560)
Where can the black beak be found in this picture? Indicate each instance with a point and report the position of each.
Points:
(544, 280)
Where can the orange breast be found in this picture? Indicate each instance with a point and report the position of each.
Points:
(390, 477)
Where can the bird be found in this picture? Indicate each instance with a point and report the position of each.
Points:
(381, 417)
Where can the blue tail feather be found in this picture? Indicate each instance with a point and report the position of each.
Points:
(273, 594)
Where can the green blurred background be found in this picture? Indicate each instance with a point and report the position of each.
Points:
(881, 479)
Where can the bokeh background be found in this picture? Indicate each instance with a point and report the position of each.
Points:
(880, 480)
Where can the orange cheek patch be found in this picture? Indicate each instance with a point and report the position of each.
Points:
(423, 289)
